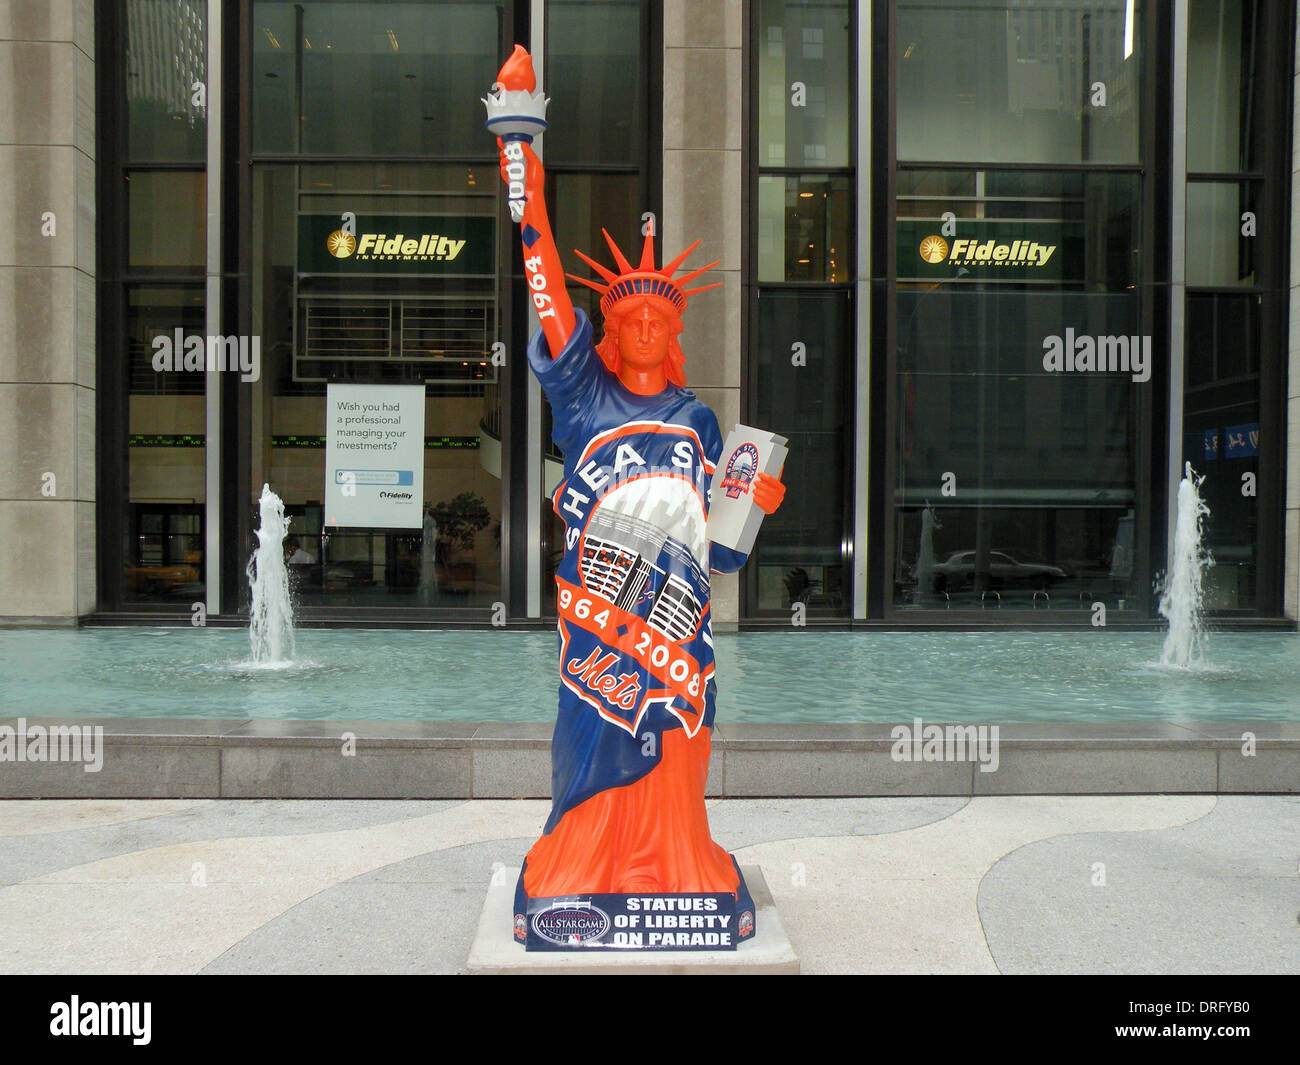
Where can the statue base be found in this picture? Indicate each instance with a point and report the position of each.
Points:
(635, 921)
(768, 950)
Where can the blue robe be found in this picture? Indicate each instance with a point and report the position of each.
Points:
(636, 652)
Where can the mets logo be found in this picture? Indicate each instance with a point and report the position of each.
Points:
(571, 924)
(741, 467)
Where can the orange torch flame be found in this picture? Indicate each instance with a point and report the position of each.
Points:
(517, 73)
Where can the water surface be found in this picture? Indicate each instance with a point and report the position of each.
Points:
(406, 675)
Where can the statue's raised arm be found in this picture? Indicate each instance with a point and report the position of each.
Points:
(516, 113)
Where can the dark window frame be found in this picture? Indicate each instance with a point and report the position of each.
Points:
(751, 616)
(883, 547)
(514, 295)
(113, 283)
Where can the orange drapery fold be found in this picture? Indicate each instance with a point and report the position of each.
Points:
(650, 836)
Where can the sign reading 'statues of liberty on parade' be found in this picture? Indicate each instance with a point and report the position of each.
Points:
(626, 859)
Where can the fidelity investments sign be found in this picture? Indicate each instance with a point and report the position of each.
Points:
(965, 251)
(341, 244)
(989, 249)
(446, 245)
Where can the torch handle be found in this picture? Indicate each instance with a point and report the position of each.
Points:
(516, 173)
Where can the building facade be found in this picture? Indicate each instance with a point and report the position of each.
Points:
(997, 271)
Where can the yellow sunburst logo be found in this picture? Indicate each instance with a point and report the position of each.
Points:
(934, 249)
(342, 244)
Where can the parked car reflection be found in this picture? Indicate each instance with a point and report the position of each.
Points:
(348, 575)
(957, 572)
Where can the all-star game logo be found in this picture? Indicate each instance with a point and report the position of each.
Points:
(740, 470)
(571, 924)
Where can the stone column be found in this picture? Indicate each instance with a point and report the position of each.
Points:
(703, 169)
(47, 310)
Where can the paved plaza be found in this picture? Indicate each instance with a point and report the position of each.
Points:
(1011, 884)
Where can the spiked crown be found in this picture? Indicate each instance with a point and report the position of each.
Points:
(644, 280)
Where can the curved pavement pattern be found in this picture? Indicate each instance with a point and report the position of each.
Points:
(1193, 884)
(1219, 894)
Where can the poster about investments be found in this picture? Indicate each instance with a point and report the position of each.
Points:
(374, 456)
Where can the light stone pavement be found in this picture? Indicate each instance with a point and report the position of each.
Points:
(1015, 884)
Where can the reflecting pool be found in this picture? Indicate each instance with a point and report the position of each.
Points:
(406, 675)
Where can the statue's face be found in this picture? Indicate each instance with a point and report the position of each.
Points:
(643, 336)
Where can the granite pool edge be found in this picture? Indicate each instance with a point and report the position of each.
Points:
(214, 758)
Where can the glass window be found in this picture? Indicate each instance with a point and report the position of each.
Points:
(1222, 339)
(1218, 251)
(163, 547)
(1066, 229)
(1030, 82)
(1011, 491)
(803, 63)
(593, 69)
(799, 556)
(166, 71)
(581, 204)
(804, 224)
(155, 311)
(166, 220)
(405, 314)
(1223, 82)
(1221, 418)
(373, 78)
(803, 58)
(1222, 404)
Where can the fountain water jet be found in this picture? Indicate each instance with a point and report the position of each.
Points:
(270, 628)
(1181, 596)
